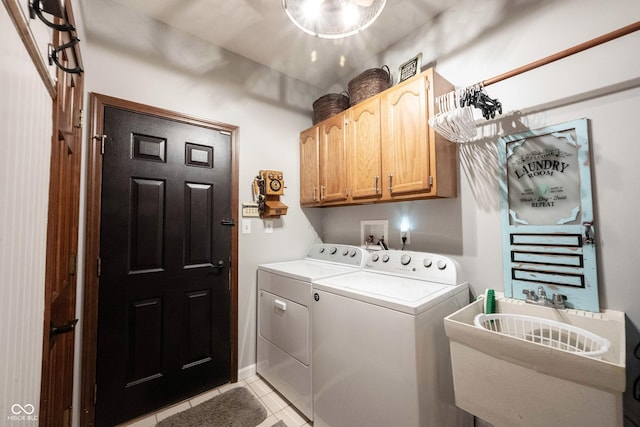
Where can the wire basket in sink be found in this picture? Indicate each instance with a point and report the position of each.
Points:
(545, 332)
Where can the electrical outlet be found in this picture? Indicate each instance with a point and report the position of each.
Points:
(268, 226)
(405, 234)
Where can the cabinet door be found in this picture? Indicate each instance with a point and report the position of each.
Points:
(333, 161)
(364, 150)
(309, 169)
(406, 147)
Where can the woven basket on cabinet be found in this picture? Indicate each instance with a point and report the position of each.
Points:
(329, 105)
(369, 83)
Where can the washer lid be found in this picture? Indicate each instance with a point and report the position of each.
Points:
(399, 293)
(391, 287)
(307, 270)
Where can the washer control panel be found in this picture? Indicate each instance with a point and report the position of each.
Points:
(341, 254)
(419, 265)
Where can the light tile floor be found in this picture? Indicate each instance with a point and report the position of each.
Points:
(277, 407)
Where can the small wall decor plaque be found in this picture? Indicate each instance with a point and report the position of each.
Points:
(410, 68)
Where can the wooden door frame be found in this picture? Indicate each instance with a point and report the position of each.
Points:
(97, 103)
(62, 242)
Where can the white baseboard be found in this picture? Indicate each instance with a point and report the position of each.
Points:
(246, 372)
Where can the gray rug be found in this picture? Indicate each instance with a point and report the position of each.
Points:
(237, 407)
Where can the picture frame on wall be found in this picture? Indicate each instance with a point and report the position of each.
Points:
(410, 68)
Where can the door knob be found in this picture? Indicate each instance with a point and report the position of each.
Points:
(219, 265)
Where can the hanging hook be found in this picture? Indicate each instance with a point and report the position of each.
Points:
(36, 9)
(53, 56)
(477, 97)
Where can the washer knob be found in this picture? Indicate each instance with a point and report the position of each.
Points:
(353, 253)
(427, 262)
(405, 259)
(375, 257)
(321, 250)
(385, 258)
(345, 252)
(334, 250)
(441, 264)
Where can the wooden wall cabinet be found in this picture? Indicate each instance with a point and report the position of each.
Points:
(381, 149)
(364, 150)
(323, 163)
(309, 166)
(333, 160)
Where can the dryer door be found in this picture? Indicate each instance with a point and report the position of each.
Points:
(285, 324)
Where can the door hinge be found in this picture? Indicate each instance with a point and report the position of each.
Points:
(73, 261)
(95, 394)
(102, 139)
(427, 84)
(99, 266)
(430, 180)
(77, 121)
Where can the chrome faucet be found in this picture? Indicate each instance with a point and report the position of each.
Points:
(383, 244)
(556, 301)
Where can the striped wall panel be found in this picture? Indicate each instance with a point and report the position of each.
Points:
(25, 135)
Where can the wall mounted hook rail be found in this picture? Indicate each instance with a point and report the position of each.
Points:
(35, 8)
(53, 56)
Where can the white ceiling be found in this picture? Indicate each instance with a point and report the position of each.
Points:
(256, 29)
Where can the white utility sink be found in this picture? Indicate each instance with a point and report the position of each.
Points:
(508, 381)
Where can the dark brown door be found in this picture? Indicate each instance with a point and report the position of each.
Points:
(164, 291)
(62, 243)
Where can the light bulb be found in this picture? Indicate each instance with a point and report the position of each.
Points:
(311, 9)
(350, 14)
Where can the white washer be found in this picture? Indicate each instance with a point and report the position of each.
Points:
(284, 321)
(380, 353)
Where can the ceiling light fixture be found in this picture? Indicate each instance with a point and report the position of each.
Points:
(333, 19)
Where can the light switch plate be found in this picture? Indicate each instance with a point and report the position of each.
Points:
(246, 226)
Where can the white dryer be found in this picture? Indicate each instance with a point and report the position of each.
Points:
(380, 353)
(284, 320)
